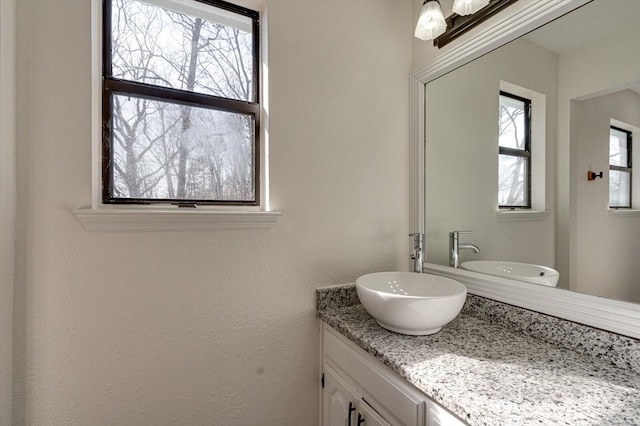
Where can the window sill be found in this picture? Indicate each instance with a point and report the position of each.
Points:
(150, 220)
(522, 215)
(624, 212)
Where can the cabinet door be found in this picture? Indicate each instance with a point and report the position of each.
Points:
(339, 400)
(367, 416)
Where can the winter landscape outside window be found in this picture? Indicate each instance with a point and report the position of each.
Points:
(514, 161)
(181, 111)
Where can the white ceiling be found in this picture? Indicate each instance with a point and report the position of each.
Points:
(591, 22)
(588, 24)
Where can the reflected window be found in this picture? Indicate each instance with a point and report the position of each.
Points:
(619, 168)
(514, 141)
(181, 107)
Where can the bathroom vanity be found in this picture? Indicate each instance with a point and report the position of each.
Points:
(493, 365)
(357, 389)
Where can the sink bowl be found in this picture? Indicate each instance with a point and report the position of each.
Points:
(526, 272)
(409, 302)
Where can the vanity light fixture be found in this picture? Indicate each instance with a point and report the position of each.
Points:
(468, 7)
(466, 15)
(431, 22)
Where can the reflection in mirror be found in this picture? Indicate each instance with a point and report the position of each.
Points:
(609, 237)
(581, 77)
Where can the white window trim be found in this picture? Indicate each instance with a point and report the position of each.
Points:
(106, 218)
(624, 212)
(138, 219)
(8, 202)
(523, 215)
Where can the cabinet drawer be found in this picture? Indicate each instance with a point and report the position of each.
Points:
(382, 388)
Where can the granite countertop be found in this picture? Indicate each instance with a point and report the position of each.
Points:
(490, 374)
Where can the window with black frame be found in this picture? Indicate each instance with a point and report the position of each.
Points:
(181, 111)
(514, 161)
(620, 171)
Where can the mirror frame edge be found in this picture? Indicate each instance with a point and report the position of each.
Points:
(607, 314)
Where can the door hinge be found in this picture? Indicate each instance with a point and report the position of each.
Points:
(322, 381)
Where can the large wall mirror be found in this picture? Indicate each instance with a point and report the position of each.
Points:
(580, 74)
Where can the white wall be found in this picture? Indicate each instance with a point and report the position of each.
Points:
(211, 327)
(7, 202)
(607, 244)
(462, 157)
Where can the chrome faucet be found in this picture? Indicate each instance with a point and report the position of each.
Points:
(455, 247)
(417, 255)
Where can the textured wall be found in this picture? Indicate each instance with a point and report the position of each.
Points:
(211, 327)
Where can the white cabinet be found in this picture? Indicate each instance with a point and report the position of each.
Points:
(343, 406)
(369, 416)
(339, 400)
(378, 395)
(358, 390)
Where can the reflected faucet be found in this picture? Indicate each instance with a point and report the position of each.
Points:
(455, 247)
(417, 255)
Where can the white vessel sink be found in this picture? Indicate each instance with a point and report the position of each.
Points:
(409, 302)
(526, 272)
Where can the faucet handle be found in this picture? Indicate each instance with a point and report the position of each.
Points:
(420, 236)
(455, 233)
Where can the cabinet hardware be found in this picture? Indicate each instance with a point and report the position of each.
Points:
(322, 381)
(351, 408)
(360, 419)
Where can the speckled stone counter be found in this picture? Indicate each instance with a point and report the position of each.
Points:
(491, 374)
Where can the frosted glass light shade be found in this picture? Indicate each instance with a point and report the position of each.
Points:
(431, 22)
(468, 7)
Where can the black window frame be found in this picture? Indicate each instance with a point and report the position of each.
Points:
(520, 153)
(115, 86)
(628, 168)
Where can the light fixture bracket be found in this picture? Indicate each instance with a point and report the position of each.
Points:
(458, 25)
